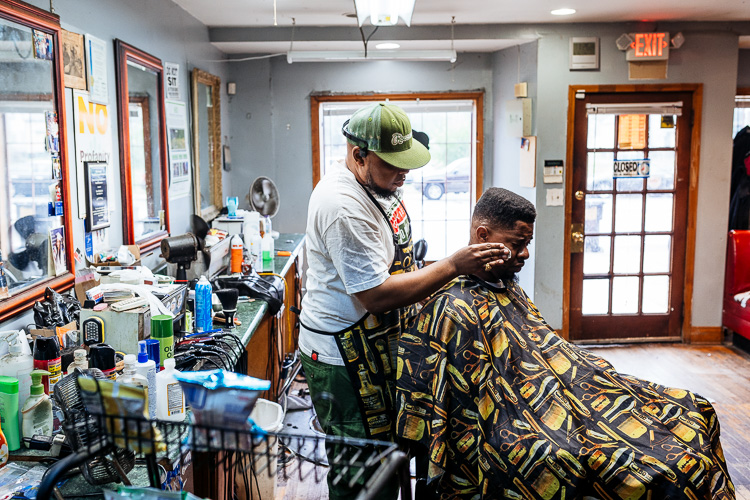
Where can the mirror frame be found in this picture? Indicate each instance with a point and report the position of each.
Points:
(38, 19)
(214, 134)
(124, 53)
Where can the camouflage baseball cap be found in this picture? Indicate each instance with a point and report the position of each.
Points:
(385, 130)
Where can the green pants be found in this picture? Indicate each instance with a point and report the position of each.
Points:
(338, 412)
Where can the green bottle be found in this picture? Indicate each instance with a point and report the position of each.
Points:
(162, 330)
(9, 411)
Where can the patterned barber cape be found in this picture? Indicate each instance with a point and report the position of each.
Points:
(507, 409)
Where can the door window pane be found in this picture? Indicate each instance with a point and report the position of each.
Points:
(630, 184)
(599, 171)
(595, 296)
(598, 213)
(655, 294)
(657, 253)
(601, 132)
(625, 295)
(596, 254)
(627, 254)
(659, 137)
(662, 170)
(659, 212)
(628, 213)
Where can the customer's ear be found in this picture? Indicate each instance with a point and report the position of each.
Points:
(482, 234)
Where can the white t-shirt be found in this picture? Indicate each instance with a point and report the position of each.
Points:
(350, 249)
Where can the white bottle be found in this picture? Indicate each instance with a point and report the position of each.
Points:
(79, 361)
(130, 377)
(37, 411)
(147, 368)
(170, 400)
(251, 232)
(18, 364)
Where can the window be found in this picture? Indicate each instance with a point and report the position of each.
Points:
(741, 111)
(440, 196)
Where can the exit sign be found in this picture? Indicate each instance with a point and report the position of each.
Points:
(648, 47)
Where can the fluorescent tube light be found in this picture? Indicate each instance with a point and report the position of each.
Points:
(387, 46)
(384, 12)
(379, 55)
(563, 12)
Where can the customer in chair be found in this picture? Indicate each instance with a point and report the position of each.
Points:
(502, 407)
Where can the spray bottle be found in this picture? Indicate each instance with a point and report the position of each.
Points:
(130, 376)
(268, 252)
(147, 368)
(18, 363)
(235, 259)
(203, 307)
(37, 411)
(251, 230)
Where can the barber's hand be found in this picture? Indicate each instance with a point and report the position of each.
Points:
(473, 258)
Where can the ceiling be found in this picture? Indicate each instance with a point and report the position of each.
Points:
(265, 26)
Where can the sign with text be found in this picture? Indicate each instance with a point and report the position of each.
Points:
(97, 196)
(172, 80)
(93, 135)
(631, 168)
(648, 47)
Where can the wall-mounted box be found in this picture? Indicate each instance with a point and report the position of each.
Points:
(584, 53)
(518, 113)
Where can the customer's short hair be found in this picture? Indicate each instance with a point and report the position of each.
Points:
(502, 208)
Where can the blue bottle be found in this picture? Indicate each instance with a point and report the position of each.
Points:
(203, 290)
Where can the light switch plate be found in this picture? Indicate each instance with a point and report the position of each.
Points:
(554, 197)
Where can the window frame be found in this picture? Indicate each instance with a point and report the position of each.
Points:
(38, 19)
(476, 96)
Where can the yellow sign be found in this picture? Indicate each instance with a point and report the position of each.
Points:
(631, 132)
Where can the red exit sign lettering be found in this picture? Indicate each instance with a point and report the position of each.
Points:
(649, 47)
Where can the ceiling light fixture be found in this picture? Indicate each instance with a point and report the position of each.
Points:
(387, 46)
(563, 12)
(384, 12)
(359, 55)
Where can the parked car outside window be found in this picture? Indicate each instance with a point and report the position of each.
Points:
(453, 178)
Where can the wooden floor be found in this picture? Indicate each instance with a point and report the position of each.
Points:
(721, 374)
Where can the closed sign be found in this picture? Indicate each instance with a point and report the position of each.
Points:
(631, 168)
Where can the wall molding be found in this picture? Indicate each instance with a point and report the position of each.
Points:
(706, 335)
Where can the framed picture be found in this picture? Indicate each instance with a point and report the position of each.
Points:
(74, 60)
(44, 47)
(97, 195)
(57, 243)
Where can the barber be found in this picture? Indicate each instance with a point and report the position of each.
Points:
(362, 282)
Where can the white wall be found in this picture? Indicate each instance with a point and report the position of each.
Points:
(271, 133)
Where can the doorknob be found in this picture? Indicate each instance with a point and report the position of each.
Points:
(579, 195)
(576, 238)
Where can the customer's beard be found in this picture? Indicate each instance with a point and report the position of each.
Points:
(378, 191)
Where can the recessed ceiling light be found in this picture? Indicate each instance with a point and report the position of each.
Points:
(387, 46)
(563, 12)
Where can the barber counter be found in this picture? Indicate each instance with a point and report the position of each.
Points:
(268, 338)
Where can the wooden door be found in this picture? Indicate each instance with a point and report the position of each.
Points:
(628, 234)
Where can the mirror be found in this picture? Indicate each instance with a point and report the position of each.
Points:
(143, 150)
(35, 247)
(207, 143)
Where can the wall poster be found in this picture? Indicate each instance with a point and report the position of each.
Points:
(179, 154)
(96, 54)
(93, 135)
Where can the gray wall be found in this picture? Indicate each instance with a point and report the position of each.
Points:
(709, 58)
(271, 115)
(162, 29)
(511, 66)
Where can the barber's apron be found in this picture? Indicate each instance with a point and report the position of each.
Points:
(368, 347)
